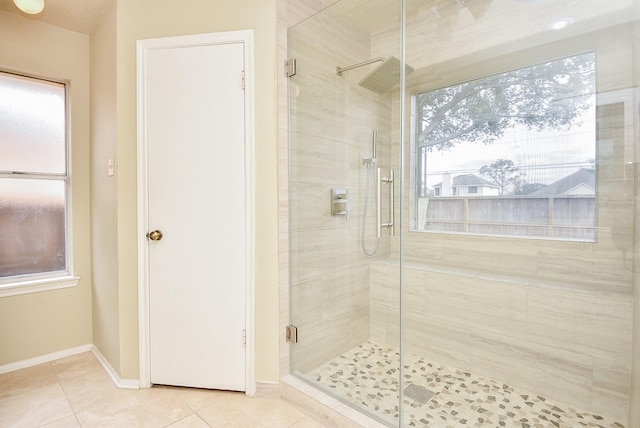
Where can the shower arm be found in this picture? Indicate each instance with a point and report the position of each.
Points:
(340, 70)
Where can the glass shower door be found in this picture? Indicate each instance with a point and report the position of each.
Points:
(518, 257)
(507, 165)
(344, 263)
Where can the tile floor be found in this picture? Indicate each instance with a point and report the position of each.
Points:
(442, 396)
(76, 392)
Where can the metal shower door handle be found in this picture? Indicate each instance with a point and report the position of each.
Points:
(390, 225)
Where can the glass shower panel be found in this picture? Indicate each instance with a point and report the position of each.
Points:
(517, 255)
(344, 279)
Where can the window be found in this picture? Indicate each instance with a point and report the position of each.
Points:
(520, 148)
(34, 180)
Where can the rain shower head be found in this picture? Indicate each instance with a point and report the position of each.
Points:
(383, 77)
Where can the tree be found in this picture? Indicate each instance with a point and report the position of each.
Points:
(550, 95)
(502, 173)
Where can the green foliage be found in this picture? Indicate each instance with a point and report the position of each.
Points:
(502, 173)
(550, 95)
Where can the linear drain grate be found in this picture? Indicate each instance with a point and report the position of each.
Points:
(418, 393)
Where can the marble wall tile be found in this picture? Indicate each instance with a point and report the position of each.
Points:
(331, 128)
(611, 389)
(589, 325)
(563, 343)
(602, 265)
(551, 372)
(563, 330)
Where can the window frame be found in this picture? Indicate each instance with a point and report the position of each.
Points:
(37, 282)
(416, 164)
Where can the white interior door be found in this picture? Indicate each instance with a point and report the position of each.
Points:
(195, 138)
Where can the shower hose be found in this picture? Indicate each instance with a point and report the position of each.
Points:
(364, 214)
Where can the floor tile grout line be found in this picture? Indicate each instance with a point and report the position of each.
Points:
(68, 377)
(66, 397)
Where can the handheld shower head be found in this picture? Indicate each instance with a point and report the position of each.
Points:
(374, 152)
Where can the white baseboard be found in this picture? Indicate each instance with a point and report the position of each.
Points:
(47, 358)
(120, 383)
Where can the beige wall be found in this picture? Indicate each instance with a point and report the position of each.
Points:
(104, 224)
(152, 19)
(47, 323)
(36, 324)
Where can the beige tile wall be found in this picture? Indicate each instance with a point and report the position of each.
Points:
(571, 345)
(331, 127)
(549, 316)
(605, 264)
(553, 317)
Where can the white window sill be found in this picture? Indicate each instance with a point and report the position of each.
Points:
(37, 285)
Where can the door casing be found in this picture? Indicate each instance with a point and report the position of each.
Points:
(246, 38)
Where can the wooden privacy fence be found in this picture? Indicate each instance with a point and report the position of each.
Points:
(32, 238)
(567, 217)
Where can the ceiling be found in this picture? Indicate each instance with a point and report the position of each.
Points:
(75, 15)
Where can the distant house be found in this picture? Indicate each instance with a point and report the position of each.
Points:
(580, 183)
(465, 185)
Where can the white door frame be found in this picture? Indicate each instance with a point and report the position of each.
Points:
(142, 46)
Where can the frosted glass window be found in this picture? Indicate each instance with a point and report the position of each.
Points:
(513, 154)
(32, 226)
(33, 177)
(32, 125)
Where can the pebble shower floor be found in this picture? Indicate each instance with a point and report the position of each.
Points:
(438, 396)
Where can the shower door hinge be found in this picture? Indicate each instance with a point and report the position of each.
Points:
(292, 334)
(290, 67)
(243, 80)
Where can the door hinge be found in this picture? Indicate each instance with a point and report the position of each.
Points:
(244, 337)
(290, 67)
(243, 79)
(292, 334)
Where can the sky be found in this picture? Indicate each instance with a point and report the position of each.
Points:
(544, 156)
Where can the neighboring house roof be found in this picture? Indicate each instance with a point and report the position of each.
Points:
(469, 180)
(581, 182)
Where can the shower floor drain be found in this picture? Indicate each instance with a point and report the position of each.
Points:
(418, 393)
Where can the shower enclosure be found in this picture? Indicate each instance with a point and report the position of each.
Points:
(462, 210)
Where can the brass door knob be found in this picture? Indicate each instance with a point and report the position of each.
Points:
(156, 235)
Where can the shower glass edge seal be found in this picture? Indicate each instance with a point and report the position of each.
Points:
(403, 61)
